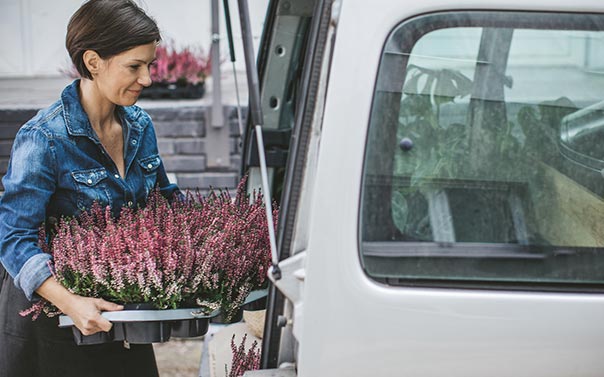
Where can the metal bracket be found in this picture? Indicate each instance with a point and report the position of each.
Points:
(291, 284)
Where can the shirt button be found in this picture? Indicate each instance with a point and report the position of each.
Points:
(89, 181)
(149, 166)
(133, 142)
(117, 176)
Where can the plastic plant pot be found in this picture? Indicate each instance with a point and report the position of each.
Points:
(98, 338)
(144, 332)
(190, 328)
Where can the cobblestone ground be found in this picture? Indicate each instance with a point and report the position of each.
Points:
(179, 357)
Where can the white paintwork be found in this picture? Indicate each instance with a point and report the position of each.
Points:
(33, 31)
(292, 286)
(354, 326)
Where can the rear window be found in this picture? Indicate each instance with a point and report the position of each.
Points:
(485, 156)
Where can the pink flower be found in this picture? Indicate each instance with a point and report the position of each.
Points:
(202, 249)
(242, 360)
(188, 65)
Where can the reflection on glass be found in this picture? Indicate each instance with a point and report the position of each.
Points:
(507, 132)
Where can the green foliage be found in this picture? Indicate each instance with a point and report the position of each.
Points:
(438, 146)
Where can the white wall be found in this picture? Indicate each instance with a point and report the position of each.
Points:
(33, 31)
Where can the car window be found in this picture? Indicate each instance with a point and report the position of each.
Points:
(485, 157)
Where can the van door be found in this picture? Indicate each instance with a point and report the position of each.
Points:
(457, 220)
(290, 55)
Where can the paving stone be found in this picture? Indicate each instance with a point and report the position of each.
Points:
(175, 164)
(165, 146)
(180, 128)
(179, 357)
(183, 113)
(189, 146)
(205, 181)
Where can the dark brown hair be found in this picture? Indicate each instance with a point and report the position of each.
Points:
(108, 27)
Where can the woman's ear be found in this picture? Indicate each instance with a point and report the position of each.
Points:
(93, 61)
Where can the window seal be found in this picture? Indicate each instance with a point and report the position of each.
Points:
(404, 36)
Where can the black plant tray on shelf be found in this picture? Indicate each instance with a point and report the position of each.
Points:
(156, 326)
(146, 326)
(173, 91)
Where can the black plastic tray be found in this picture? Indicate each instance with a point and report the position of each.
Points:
(146, 326)
(173, 91)
(157, 326)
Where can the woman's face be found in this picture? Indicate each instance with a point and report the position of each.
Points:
(122, 77)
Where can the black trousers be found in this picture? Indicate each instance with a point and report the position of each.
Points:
(40, 348)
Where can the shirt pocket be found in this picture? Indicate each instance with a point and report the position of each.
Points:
(91, 186)
(150, 166)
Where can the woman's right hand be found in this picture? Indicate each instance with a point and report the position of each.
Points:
(85, 312)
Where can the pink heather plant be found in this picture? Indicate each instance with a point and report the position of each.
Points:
(243, 361)
(237, 240)
(188, 65)
(199, 251)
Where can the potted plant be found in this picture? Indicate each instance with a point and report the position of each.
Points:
(205, 253)
(178, 73)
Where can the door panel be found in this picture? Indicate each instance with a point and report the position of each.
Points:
(465, 243)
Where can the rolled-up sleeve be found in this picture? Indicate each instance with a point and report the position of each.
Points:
(29, 183)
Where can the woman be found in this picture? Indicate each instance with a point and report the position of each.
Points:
(91, 145)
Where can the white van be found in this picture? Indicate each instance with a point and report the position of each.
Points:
(439, 167)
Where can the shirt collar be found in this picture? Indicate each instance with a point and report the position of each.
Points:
(76, 119)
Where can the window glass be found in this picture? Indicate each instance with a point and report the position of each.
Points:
(485, 154)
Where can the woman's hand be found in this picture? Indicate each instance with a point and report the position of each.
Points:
(85, 312)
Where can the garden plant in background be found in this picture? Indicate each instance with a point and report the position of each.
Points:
(178, 73)
(207, 252)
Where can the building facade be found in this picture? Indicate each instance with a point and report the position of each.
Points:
(33, 31)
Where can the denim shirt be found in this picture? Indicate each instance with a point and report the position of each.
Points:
(58, 167)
